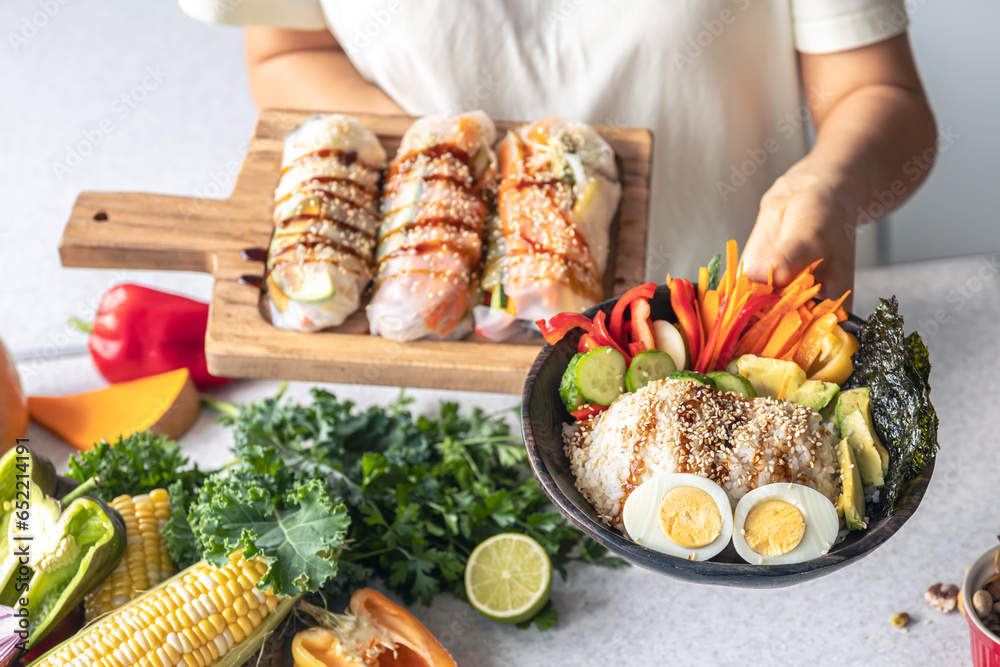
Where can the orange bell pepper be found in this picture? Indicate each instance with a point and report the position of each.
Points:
(808, 350)
(374, 632)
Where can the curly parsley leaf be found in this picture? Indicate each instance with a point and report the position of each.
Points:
(134, 465)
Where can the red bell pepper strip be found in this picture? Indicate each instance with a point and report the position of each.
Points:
(642, 327)
(603, 337)
(588, 411)
(683, 301)
(561, 324)
(587, 343)
(706, 352)
(752, 307)
(140, 332)
(616, 324)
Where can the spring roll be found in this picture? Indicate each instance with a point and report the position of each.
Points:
(559, 191)
(325, 223)
(430, 246)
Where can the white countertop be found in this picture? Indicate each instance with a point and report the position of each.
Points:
(635, 616)
(66, 78)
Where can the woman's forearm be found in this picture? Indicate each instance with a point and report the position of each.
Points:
(308, 70)
(876, 143)
(874, 149)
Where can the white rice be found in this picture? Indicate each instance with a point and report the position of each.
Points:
(677, 426)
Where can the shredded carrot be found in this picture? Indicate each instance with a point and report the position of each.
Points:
(732, 255)
(784, 332)
(829, 306)
(770, 276)
(702, 283)
(784, 387)
(710, 309)
(804, 280)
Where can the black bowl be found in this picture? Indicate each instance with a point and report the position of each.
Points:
(542, 418)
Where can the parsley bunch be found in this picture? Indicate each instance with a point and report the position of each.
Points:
(430, 489)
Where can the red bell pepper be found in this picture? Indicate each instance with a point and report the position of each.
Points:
(140, 332)
(616, 324)
(559, 325)
(587, 343)
(588, 411)
(752, 307)
(603, 337)
(642, 327)
(683, 300)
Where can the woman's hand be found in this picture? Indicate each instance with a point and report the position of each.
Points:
(802, 219)
(871, 121)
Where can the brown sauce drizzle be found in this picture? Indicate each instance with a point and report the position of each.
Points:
(314, 216)
(253, 254)
(346, 158)
(250, 280)
(308, 241)
(456, 224)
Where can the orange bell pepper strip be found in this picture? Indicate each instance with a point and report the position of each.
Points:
(788, 350)
(702, 284)
(783, 333)
(808, 350)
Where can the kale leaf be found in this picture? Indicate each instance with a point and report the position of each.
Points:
(896, 369)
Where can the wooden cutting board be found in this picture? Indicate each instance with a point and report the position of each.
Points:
(125, 230)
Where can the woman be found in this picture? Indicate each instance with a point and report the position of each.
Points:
(728, 87)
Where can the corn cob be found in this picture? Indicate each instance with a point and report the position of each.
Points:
(202, 615)
(146, 562)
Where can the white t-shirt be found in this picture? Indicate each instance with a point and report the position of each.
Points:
(716, 81)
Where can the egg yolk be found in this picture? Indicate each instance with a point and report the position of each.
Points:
(773, 528)
(690, 517)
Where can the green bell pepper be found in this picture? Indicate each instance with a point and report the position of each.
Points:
(70, 551)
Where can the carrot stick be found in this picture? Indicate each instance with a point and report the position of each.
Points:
(756, 337)
(829, 306)
(786, 329)
(702, 283)
(784, 387)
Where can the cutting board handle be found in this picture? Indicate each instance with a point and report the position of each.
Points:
(132, 230)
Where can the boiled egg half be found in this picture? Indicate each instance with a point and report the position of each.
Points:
(683, 515)
(784, 523)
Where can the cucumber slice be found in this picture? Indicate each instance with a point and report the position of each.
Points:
(648, 366)
(600, 375)
(568, 391)
(728, 382)
(308, 282)
(693, 376)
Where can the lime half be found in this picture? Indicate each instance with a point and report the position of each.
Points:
(508, 578)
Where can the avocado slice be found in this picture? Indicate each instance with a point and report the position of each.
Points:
(857, 400)
(852, 495)
(854, 429)
(768, 376)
